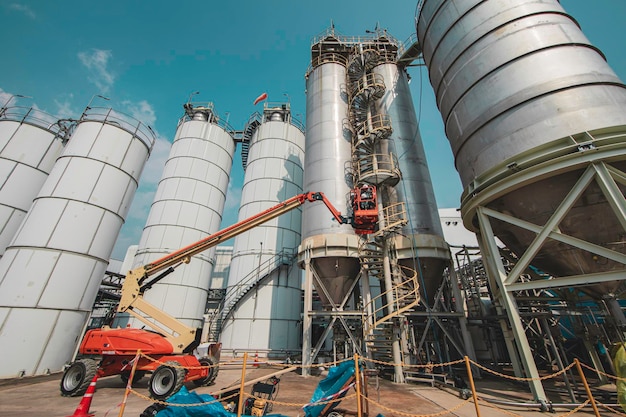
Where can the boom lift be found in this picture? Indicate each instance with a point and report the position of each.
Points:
(171, 343)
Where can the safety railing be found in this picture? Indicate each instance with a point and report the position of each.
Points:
(405, 296)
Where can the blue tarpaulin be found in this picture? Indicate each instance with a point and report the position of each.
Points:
(212, 409)
(330, 387)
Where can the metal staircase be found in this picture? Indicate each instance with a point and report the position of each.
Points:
(251, 125)
(235, 294)
(374, 163)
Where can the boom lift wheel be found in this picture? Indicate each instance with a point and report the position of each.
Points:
(213, 371)
(166, 380)
(77, 377)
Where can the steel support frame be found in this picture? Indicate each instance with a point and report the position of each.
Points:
(606, 176)
(309, 353)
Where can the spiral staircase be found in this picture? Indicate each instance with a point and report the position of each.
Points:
(374, 163)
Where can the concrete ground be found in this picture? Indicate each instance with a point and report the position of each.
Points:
(40, 397)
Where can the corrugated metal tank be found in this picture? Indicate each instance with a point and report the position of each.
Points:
(518, 81)
(188, 206)
(268, 312)
(327, 166)
(421, 246)
(30, 143)
(51, 272)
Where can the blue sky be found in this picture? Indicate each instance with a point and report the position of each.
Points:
(148, 56)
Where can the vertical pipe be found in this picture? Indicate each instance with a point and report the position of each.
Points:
(306, 318)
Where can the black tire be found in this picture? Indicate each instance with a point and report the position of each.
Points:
(77, 377)
(166, 380)
(213, 371)
(152, 410)
(136, 378)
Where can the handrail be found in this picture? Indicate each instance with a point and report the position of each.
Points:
(233, 293)
(371, 80)
(405, 297)
(378, 126)
(373, 38)
(125, 122)
(30, 115)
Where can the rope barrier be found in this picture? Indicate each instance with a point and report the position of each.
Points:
(611, 409)
(334, 397)
(617, 378)
(165, 403)
(525, 379)
(492, 405)
(406, 365)
(441, 413)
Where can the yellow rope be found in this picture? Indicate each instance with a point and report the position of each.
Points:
(492, 405)
(406, 365)
(618, 378)
(145, 397)
(516, 378)
(441, 413)
(611, 408)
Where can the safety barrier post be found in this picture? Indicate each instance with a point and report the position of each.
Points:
(587, 389)
(471, 381)
(357, 376)
(129, 383)
(243, 381)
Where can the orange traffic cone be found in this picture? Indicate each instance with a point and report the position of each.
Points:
(83, 408)
(256, 360)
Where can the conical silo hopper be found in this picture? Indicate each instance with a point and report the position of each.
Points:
(536, 121)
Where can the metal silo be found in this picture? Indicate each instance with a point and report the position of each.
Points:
(30, 143)
(532, 111)
(421, 245)
(263, 303)
(536, 120)
(327, 169)
(187, 207)
(51, 272)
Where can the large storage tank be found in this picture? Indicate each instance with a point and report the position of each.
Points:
(421, 245)
(332, 246)
(30, 143)
(51, 272)
(521, 89)
(187, 207)
(264, 303)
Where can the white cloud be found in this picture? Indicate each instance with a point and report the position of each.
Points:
(22, 9)
(141, 111)
(233, 198)
(154, 167)
(64, 109)
(96, 61)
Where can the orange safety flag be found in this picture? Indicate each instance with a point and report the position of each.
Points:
(260, 98)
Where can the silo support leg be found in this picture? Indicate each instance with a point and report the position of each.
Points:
(511, 309)
(307, 321)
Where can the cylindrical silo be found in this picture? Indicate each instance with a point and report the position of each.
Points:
(187, 207)
(51, 271)
(263, 300)
(30, 143)
(327, 165)
(421, 245)
(521, 88)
